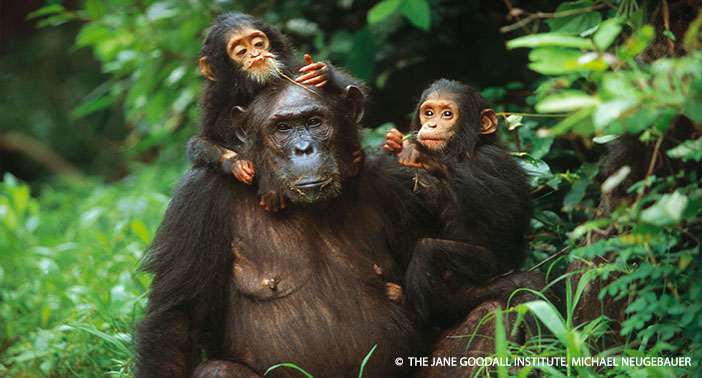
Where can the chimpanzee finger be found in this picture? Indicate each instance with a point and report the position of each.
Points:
(313, 80)
(393, 138)
(357, 156)
(391, 145)
(314, 66)
(306, 76)
(308, 59)
(320, 85)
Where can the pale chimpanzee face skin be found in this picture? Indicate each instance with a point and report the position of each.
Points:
(438, 116)
(250, 49)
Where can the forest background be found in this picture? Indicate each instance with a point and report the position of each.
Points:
(99, 98)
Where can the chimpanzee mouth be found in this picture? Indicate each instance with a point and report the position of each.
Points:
(432, 142)
(312, 182)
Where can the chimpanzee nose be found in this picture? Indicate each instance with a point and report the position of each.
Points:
(304, 148)
(430, 125)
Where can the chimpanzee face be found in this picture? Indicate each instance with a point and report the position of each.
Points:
(438, 115)
(250, 51)
(297, 139)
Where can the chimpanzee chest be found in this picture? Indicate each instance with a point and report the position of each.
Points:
(308, 294)
(268, 273)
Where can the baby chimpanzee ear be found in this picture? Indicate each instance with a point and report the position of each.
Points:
(206, 70)
(354, 97)
(488, 121)
(237, 117)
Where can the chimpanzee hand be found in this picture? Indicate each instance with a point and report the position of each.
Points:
(357, 162)
(231, 163)
(393, 292)
(410, 156)
(317, 73)
(271, 200)
(243, 170)
(393, 141)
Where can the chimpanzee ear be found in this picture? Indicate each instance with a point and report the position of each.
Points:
(355, 98)
(488, 121)
(206, 69)
(237, 117)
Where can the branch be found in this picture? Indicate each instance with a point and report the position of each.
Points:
(39, 152)
(521, 23)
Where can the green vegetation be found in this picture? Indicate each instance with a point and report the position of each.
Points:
(70, 289)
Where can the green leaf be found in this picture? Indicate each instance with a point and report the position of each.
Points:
(550, 40)
(550, 317)
(633, 123)
(95, 8)
(667, 211)
(382, 10)
(418, 13)
(688, 150)
(618, 84)
(362, 59)
(636, 44)
(576, 121)
(691, 41)
(669, 34)
(43, 11)
(514, 121)
(566, 101)
(611, 110)
(576, 23)
(140, 230)
(576, 193)
(693, 110)
(554, 60)
(308, 375)
(91, 107)
(607, 33)
(365, 361)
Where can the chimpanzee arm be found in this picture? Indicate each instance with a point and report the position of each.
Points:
(436, 261)
(204, 152)
(190, 258)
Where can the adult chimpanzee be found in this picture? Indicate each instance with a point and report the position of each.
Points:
(255, 288)
(481, 197)
(241, 56)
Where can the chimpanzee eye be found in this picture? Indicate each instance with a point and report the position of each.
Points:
(314, 122)
(428, 113)
(447, 114)
(259, 44)
(283, 127)
(241, 52)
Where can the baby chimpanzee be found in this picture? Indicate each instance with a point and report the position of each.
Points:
(479, 194)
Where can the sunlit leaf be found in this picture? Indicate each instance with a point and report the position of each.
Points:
(607, 33)
(611, 110)
(382, 10)
(666, 211)
(688, 150)
(550, 40)
(554, 60)
(418, 13)
(566, 101)
(575, 23)
(43, 11)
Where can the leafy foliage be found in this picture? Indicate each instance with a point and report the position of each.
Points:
(70, 291)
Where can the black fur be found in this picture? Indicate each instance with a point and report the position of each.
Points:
(323, 306)
(483, 203)
(233, 87)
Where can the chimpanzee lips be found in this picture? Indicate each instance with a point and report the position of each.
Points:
(433, 142)
(312, 182)
(256, 61)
